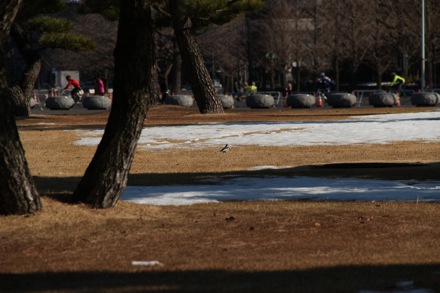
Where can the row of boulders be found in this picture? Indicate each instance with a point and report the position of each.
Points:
(93, 102)
(335, 100)
(254, 101)
(103, 102)
(188, 101)
(385, 99)
(262, 101)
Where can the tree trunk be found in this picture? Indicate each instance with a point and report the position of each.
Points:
(106, 177)
(23, 92)
(163, 82)
(337, 73)
(177, 63)
(18, 194)
(201, 83)
(379, 72)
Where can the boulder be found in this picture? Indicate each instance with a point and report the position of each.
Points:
(383, 99)
(32, 102)
(259, 101)
(227, 101)
(59, 102)
(301, 101)
(96, 102)
(180, 100)
(341, 100)
(426, 99)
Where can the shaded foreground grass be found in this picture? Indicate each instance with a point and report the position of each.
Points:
(340, 279)
(232, 246)
(256, 246)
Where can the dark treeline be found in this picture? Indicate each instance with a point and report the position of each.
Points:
(353, 41)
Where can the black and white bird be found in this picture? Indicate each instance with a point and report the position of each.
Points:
(225, 148)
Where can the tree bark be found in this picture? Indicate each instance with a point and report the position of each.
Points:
(18, 194)
(22, 92)
(201, 83)
(106, 177)
(177, 62)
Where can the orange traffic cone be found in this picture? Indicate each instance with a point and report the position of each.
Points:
(397, 103)
(319, 102)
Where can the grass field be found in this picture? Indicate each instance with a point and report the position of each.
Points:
(259, 246)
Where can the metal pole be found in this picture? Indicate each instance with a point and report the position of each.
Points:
(422, 77)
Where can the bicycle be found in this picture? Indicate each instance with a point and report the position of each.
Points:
(76, 94)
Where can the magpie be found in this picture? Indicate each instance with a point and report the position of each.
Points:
(225, 148)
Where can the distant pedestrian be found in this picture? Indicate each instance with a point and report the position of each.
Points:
(99, 86)
(289, 89)
(238, 86)
(252, 89)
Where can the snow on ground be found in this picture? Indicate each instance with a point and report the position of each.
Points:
(371, 129)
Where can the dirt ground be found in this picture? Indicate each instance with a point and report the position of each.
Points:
(260, 246)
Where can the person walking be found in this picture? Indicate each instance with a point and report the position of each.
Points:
(99, 85)
(288, 90)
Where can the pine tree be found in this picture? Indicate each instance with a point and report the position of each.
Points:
(35, 29)
(18, 194)
(106, 176)
(187, 18)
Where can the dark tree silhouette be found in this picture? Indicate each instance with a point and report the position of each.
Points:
(18, 194)
(106, 176)
(201, 83)
(33, 33)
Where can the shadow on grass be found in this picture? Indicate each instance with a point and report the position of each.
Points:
(337, 279)
(60, 186)
(367, 170)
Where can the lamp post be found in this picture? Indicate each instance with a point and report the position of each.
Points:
(422, 76)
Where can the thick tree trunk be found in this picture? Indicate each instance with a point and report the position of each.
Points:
(18, 194)
(106, 176)
(22, 92)
(201, 83)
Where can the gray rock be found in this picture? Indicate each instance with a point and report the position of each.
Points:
(301, 101)
(260, 101)
(426, 99)
(59, 102)
(32, 102)
(383, 99)
(96, 102)
(227, 101)
(341, 100)
(180, 100)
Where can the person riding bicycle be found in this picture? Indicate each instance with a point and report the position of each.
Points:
(397, 79)
(75, 92)
(324, 83)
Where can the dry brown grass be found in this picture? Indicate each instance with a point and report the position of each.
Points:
(233, 246)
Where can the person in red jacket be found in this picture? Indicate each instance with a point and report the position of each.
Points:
(75, 92)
